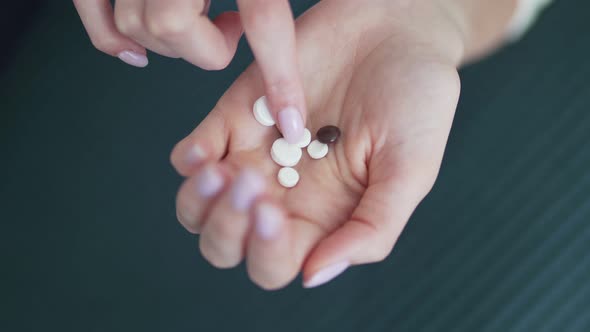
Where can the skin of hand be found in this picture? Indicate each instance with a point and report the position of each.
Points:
(182, 29)
(385, 73)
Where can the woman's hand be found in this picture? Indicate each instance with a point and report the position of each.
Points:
(181, 29)
(392, 90)
(384, 72)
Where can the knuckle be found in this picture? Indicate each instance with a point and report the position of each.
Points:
(175, 158)
(186, 155)
(208, 253)
(284, 91)
(268, 280)
(214, 60)
(128, 23)
(185, 212)
(167, 23)
(187, 222)
(269, 285)
(223, 231)
(217, 63)
(211, 252)
(102, 44)
(224, 263)
(265, 12)
(379, 253)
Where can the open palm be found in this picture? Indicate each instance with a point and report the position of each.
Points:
(393, 101)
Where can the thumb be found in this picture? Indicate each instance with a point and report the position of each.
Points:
(270, 30)
(371, 232)
(99, 22)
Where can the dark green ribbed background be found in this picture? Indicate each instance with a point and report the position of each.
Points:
(90, 243)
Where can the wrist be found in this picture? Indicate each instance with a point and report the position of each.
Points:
(439, 30)
(482, 24)
(448, 31)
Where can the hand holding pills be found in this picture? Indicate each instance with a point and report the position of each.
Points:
(339, 195)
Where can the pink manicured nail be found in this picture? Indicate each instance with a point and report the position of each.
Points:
(326, 274)
(291, 124)
(268, 220)
(209, 182)
(247, 186)
(206, 7)
(133, 58)
(195, 155)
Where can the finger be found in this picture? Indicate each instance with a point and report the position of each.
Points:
(225, 228)
(270, 30)
(369, 235)
(271, 263)
(270, 259)
(184, 27)
(277, 246)
(207, 142)
(97, 17)
(197, 194)
(130, 21)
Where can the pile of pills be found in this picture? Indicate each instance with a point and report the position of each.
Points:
(288, 155)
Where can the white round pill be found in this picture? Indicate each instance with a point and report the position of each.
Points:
(262, 112)
(317, 149)
(285, 154)
(288, 177)
(305, 139)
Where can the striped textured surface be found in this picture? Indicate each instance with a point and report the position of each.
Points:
(90, 241)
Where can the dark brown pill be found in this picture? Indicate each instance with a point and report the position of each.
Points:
(328, 134)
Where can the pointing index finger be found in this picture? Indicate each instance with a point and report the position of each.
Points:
(270, 29)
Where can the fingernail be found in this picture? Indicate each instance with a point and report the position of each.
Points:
(133, 58)
(247, 186)
(326, 274)
(291, 124)
(268, 220)
(209, 182)
(195, 155)
(206, 7)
